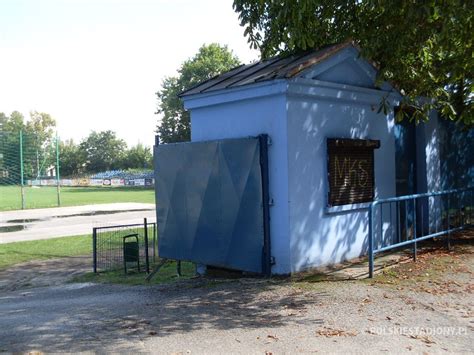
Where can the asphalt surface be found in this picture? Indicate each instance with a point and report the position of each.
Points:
(241, 316)
(55, 222)
(423, 308)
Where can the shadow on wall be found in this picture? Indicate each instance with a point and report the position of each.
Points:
(457, 155)
(319, 237)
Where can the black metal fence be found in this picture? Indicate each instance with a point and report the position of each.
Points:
(110, 246)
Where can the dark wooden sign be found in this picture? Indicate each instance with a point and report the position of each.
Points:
(351, 170)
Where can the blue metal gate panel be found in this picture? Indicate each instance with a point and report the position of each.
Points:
(209, 203)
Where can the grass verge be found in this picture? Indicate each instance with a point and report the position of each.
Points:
(45, 196)
(63, 247)
(166, 274)
(20, 252)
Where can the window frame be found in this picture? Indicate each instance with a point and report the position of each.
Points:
(348, 145)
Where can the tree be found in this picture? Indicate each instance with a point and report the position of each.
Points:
(137, 157)
(3, 120)
(37, 143)
(210, 61)
(72, 158)
(9, 148)
(13, 123)
(423, 48)
(102, 151)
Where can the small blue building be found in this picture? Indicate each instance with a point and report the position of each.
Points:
(331, 151)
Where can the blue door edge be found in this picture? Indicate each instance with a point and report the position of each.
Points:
(266, 257)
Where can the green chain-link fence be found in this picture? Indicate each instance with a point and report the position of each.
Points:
(29, 170)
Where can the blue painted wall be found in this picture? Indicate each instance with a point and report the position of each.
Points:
(321, 235)
(457, 156)
(251, 112)
(336, 98)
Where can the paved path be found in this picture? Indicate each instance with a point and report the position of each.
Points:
(236, 317)
(55, 222)
(251, 316)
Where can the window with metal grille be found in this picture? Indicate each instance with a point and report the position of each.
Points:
(351, 170)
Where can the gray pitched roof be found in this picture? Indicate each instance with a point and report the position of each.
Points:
(264, 70)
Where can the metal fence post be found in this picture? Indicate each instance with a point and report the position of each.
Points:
(21, 172)
(178, 268)
(471, 207)
(94, 248)
(147, 262)
(154, 242)
(449, 224)
(58, 188)
(371, 241)
(414, 229)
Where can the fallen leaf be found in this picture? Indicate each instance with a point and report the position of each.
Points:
(332, 332)
(424, 338)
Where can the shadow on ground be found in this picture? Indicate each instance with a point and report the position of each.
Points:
(119, 318)
(112, 318)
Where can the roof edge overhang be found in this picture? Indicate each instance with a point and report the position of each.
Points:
(247, 92)
(328, 91)
(295, 87)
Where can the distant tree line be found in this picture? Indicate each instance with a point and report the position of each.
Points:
(99, 151)
(102, 151)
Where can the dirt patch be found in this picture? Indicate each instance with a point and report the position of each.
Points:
(43, 273)
(433, 262)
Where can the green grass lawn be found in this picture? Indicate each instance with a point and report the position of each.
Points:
(20, 252)
(166, 274)
(10, 196)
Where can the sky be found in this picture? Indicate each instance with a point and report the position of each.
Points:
(97, 64)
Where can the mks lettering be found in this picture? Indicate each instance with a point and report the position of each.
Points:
(352, 172)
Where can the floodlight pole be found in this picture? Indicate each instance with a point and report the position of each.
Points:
(21, 172)
(57, 171)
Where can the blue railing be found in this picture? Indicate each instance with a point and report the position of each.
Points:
(406, 220)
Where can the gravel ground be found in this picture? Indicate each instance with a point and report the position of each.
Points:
(394, 313)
